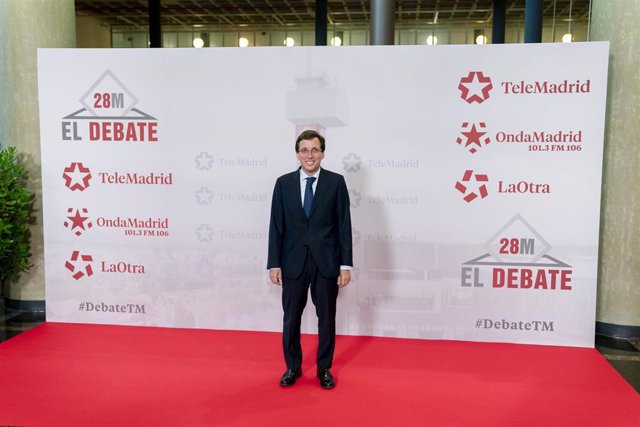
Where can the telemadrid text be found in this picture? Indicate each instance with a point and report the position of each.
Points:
(546, 87)
(151, 178)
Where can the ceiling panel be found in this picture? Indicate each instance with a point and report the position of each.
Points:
(224, 14)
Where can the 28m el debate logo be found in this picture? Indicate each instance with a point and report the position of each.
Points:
(109, 115)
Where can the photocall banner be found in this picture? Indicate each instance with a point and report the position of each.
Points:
(474, 175)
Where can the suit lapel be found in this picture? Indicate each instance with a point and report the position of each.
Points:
(294, 188)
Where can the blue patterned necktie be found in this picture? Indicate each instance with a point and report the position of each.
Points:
(308, 196)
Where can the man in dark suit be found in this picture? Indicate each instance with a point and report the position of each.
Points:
(310, 246)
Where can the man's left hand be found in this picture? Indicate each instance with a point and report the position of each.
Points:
(344, 278)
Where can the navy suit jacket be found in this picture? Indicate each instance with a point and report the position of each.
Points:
(327, 232)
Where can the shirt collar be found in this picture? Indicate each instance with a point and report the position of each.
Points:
(304, 176)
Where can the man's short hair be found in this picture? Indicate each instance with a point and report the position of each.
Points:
(307, 135)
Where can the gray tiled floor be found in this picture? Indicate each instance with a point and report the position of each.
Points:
(623, 355)
(13, 323)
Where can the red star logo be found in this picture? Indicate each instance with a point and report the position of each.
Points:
(78, 221)
(475, 87)
(466, 178)
(76, 176)
(473, 136)
(86, 270)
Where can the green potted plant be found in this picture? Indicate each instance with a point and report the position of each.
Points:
(16, 203)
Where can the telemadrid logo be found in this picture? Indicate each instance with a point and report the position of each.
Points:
(80, 265)
(204, 161)
(475, 87)
(469, 178)
(204, 233)
(76, 176)
(355, 198)
(204, 196)
(352, 162)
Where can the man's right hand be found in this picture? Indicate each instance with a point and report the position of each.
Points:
(275, 274)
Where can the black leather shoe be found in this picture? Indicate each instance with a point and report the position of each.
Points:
(290, 376)
(326, 379)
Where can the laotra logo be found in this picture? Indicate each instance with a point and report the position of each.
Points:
(81, 265)
(473, 185)
(109, 115)
(475, 87)
(517, 258)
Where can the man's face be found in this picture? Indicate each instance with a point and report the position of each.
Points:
(310, 155)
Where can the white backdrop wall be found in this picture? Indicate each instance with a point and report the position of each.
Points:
(474, 174)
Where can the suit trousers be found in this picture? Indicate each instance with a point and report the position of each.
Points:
(324, 294)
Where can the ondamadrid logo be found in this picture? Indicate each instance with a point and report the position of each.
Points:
(473, 136)
(76, 176)
(475, 87)
(78, 220)
(472, 185)
(80, 265)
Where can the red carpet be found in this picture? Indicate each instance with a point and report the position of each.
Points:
(87, 375)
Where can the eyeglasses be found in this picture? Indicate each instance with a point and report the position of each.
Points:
(306, 151)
